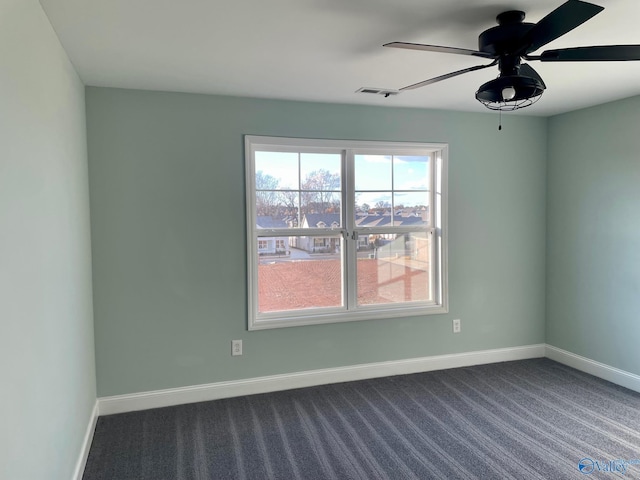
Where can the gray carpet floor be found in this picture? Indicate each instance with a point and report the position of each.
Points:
(530, 419)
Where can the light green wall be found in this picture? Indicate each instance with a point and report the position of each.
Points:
(46, 323)
(168, 225)
(593, 245)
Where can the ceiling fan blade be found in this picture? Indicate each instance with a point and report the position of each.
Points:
(448, 75)
(437, 48)
(563, 19)
(605, 53)
(528, 71)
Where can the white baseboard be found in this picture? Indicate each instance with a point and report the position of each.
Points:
(86, 444)
(233, 388)
(601, 370)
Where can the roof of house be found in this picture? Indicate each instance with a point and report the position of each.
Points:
(267, 221)
(385, 221)
(313, 220)
(329, 219)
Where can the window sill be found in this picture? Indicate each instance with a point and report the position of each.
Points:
(342, 317)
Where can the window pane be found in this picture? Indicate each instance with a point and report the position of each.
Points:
(410, 173)
(276, 185)
(321, 203)
(277, 170)
(308, 275)
(320, 171)
(373, 172)
(411, 208)
(374, 203)
(321, 220)
(289, 207)
(320, 189)
(394, 268)
(406, 204)
(290, 185)
(280, 204)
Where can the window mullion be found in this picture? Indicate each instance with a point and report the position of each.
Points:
(351, 250)
(299, 213)
(437, 252)
(393, 191)
(252, 248)
(432, 188)
(433, 267)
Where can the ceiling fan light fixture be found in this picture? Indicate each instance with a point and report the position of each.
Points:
(510, 92)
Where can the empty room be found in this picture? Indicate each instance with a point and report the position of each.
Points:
(319, 239)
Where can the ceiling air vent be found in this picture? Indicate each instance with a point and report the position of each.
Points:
(385, 92)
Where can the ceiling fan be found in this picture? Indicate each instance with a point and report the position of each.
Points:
(513, 40)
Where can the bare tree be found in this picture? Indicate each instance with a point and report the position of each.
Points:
(321, 192)
(267, 194)
(289, 198)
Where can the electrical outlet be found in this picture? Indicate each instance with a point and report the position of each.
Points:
(236, 347)
(456, 325)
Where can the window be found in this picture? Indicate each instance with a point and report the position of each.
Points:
(363, 225)
(281, 245)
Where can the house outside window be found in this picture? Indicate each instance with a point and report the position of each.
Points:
(271, 245)
(363, 225)
(281, 245)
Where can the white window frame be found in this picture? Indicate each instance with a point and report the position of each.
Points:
(438, 153)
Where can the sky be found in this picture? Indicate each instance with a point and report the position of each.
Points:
(377, 177)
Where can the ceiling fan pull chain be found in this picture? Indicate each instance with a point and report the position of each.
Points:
(500, 121)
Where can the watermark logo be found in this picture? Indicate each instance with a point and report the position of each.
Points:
(588, 465)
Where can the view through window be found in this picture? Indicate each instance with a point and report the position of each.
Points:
(341, 231)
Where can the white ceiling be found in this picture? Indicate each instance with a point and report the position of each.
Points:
(324, 50)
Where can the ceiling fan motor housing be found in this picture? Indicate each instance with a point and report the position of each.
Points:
(501, 39)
